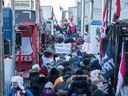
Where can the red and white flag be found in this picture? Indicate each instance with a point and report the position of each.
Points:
(117, 10)
(103, 28)
(104, 17)
(122, 71)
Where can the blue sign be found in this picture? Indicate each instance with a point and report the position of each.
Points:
(96, 22)
(7, 23)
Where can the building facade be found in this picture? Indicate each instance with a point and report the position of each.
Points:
(25, 4)
(25, 10)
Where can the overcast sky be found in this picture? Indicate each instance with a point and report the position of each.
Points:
(64, 3)
(57, 4)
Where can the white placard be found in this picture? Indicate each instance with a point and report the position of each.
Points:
(63, 48)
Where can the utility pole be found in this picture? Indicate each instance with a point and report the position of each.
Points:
(13, 36)
(1, 52)
(52, 22)
(37, 4)
(82, 16)
(91, 9)
(63, 15)
(52, 27)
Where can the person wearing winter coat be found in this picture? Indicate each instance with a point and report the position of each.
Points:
(103, 88)
(20, 91)
(79, 84)
(34, 78)
(16, 83)
(53, 75)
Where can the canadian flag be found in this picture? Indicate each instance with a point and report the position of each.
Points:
(122, 71)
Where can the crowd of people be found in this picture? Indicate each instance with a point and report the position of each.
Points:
(77, 74)
(81, 75)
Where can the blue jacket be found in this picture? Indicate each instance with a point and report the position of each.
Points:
(12, 92)
(28, 93)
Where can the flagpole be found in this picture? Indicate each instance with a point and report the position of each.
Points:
(1, 53)
(82, 17)
(52, 24)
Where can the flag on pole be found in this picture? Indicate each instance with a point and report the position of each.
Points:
(104, 17)
(103, 28)
(122, 71)
(117, 10)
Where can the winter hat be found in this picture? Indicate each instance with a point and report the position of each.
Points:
(82, 64)
(95, 75)
(14, 82)
(49, 85)
(35, 67)
(22, 88)
(60, 67)
(13, 79)
(95, 65)
(67, 58)
(18, 80)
